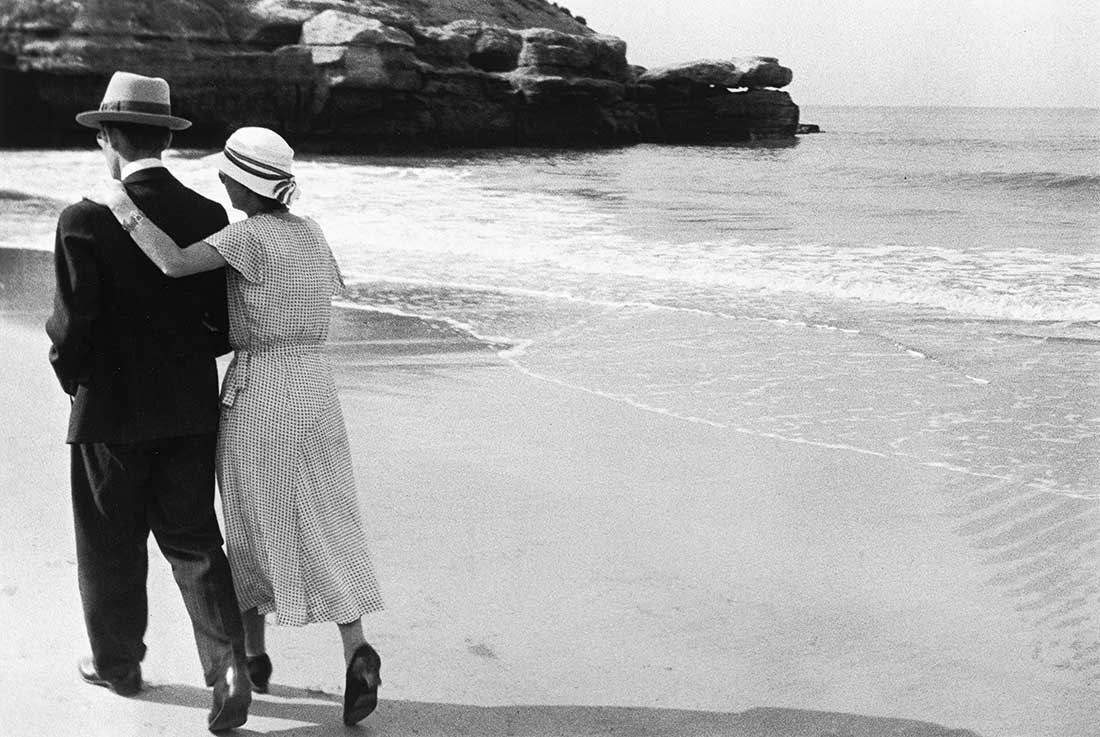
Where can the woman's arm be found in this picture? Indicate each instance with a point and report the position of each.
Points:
(154, 242)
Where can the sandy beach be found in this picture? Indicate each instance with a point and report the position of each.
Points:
(555, 562)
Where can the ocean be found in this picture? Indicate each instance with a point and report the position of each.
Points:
(914, 283)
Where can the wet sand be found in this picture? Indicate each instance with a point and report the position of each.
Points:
(557, 563)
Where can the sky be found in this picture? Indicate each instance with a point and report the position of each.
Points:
(995, 53)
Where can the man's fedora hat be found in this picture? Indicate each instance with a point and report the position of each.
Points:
(132, 98)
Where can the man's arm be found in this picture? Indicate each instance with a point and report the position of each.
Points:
(215, 310)
(76, 306)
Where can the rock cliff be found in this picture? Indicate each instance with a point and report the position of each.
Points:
(360, 75)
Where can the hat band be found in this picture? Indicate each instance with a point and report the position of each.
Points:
(255, 167)
(135, 106)
(283, 186)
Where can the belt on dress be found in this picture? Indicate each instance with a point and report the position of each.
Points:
(236, 377)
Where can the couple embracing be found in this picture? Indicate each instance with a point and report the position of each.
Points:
(152, 284)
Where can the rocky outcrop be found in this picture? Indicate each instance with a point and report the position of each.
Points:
(753, 72)
(363, 75)
(702, 100)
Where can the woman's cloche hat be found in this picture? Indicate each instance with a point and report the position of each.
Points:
(260, 159)
(132, 98)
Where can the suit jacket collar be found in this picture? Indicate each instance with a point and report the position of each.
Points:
(147, 175)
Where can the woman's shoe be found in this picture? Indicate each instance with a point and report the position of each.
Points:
(259, 672)
(364, 676)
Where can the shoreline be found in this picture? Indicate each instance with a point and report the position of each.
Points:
(555, 562)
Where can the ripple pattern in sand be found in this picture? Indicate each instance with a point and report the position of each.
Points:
(1043, 553)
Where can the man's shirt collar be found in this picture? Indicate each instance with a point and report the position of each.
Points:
(140, 165)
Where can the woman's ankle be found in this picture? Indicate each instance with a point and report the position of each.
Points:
(351, 635)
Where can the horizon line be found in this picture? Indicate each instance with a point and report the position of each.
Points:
(959, 107)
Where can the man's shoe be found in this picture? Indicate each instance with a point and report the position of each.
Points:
(127, 685)
(232, 697)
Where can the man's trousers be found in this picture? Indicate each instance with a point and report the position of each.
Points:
(120, 493)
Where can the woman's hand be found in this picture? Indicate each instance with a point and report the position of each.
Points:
(110, 193)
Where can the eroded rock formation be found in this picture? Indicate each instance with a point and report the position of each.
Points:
(703, 101)
(365, 75)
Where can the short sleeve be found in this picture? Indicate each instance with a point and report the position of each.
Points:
(337, 284)
(242, 249)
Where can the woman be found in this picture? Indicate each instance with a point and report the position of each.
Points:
(293, 533)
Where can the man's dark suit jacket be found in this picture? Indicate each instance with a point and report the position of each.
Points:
(134, 347)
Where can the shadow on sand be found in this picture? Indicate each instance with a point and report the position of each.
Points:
(294, 712)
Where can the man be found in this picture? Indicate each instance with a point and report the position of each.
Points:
(135, 350)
